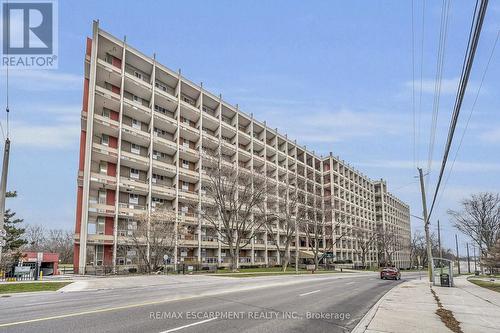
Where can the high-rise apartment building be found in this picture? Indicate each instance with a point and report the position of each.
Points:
(144, 128)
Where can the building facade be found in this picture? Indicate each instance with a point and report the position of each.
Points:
(144, 130)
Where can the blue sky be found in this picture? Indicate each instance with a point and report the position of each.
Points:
(334, 75)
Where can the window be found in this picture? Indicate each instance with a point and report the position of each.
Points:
(100, 225)
(185, 143)
(99, 254)
(136, 124)
(103, 167)
(138, 74)
(134, 173)
(160, 109)
(137, 99)
(133, 199)
(102, 197)
(185, 186)
(91, 228)
(105, 140)
(184, 209)
(135, 149)
(185, 164)
(105, 113)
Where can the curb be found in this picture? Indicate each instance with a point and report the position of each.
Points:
(363, 324)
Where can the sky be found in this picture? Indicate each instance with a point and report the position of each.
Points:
(334, 75)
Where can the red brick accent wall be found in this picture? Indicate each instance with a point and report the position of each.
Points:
(88, 49)
(113, 142)
(108, 225)
(110, 197)
(114, 115)
(111, 169)
(76, 258)
(108, 255)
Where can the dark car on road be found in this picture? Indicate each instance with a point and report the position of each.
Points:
(390, 273)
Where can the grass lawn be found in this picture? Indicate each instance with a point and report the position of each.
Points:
(487, 284)
(9, 288)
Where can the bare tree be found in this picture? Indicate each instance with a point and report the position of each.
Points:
(40, 239)
(36, 238)
(388, 243)
(234, 203)
(366, 241)
(289, 220)
(479, 219)
(61, 242)
(154, 238)
(314, 227)
(492, 259)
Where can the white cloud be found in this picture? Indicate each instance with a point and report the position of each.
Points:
(491, 136)
(314, 124)
(58, 136)
(44, 80)
(61, 132)
(448, 86)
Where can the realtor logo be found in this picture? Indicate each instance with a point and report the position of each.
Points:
(29, 34)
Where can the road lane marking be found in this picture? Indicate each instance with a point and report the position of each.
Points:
(350, 283)
(309, 293)
(303, 279)
(189, 325)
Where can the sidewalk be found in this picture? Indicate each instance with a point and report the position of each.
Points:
(476, 308)
(411, 307)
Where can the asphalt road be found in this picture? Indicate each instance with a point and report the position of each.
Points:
(327, 303)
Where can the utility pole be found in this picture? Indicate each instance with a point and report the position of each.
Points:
(458, 256)
(439, 242)
(426, 226)
(468, 258)
(475, 265)
(3, 192)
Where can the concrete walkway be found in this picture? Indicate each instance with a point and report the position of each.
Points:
(476, 308)
(411, 307)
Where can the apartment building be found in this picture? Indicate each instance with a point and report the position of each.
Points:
(143, 130)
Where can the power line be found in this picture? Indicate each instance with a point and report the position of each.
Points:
(421, 80)
(438, 82)
(413, 84)
(474, 35)
(469, 117)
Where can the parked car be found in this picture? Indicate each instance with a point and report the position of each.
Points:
(390, 273)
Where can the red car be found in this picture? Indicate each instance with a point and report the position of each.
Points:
(390, 273)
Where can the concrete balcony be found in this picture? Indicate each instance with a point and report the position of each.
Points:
(164, 168)
(163, 191)
(171, 145)
(101, 209)
(134, 160)
(106, 125)
(130, 210)
(107, 93)
(102, 64)
(136, 105)
(134, 185)
(188, 195)
(135, 135)
(103, 180)
(104, 153)
(189, 129)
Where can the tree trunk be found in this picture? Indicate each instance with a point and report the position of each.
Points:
(286, 258)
